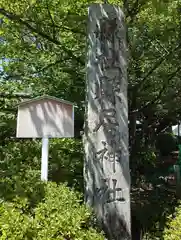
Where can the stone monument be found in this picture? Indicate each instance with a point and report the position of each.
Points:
(106, 169)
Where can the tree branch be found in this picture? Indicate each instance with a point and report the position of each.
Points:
(19, 20)
(53, 23)
(70, 29)
(157, 64)
(15, 95)
(134, 10)
(160, 93)
(48, 66)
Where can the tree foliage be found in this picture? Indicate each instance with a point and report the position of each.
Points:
(43, 51)
(43, 46)
(59, 216)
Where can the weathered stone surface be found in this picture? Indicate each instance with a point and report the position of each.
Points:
(106, 170)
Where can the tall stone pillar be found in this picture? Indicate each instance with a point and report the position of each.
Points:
(106, 169)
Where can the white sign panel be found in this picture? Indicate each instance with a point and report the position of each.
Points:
(45, 117)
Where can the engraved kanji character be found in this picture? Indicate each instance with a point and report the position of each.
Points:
(107, 119)
(115, 193)
(102, 192)
(99, 92)
(114, 157)
(110, 194)
(102, 154)
(105, 91)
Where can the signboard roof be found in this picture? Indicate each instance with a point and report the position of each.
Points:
(45, 97)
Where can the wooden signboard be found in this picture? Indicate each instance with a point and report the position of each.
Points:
(45, 117)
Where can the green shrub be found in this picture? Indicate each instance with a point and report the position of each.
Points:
(173, 229)
(20, 166)
(60, 215)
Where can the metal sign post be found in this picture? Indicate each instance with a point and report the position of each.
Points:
(44, 159)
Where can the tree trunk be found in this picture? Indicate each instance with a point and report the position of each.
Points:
(106, 171)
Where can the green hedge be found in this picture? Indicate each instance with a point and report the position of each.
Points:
(173, 229)
(60, 215)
